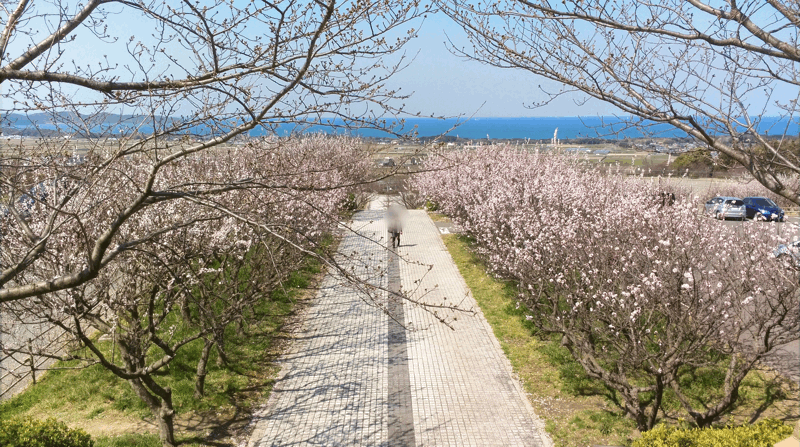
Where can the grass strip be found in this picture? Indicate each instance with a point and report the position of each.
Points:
(551, 378)
(104, 405)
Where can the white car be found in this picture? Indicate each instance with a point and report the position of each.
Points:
(723, 207)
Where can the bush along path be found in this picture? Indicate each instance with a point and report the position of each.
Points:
(424, 369)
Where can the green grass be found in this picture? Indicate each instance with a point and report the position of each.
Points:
(130, 440)
(92, 397)
(149, 440)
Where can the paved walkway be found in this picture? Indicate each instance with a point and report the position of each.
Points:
(355, 377)
(15, 369)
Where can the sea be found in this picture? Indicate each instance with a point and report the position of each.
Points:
(534, 128)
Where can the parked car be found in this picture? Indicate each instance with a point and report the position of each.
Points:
(722, 207)
(712, 204)
(762, 208)
(789, 255)
(37, 193)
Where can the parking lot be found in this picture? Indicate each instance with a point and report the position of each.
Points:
(790, 229)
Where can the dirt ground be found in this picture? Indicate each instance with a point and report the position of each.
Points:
(223, 426)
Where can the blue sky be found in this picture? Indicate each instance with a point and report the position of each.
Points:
(444, 84)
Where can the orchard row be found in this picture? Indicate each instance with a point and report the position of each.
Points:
(644, 292)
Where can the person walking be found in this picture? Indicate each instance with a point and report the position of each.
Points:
(394, 224)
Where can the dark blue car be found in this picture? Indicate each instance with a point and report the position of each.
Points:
(762, 208)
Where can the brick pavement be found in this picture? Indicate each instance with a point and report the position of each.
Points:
(354, 376)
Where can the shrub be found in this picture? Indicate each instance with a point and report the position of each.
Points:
(35, 433)
(412, 199)
(431, 206)
(355, 201)
(697, 160)
(763, 434)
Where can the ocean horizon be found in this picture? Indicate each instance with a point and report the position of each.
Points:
(534, 128)
(477, 128)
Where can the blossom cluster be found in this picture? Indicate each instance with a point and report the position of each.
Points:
(60, 219)
(174, 250)
(636, 285)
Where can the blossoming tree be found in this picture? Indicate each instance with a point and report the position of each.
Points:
(644, 294)
(186, 270)
(188, 78)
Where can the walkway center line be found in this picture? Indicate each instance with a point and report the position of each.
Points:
(401, 420)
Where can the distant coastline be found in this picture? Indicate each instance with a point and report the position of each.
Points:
(534, 128)
(478, 128)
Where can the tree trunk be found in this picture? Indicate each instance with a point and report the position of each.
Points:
(222, 356)
(635, 409)
(166, 423)
(656, 405)
(706, 418)
(200, 381)
(159, 400)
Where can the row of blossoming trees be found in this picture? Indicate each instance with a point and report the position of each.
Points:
(645, 295)
(177, 253)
